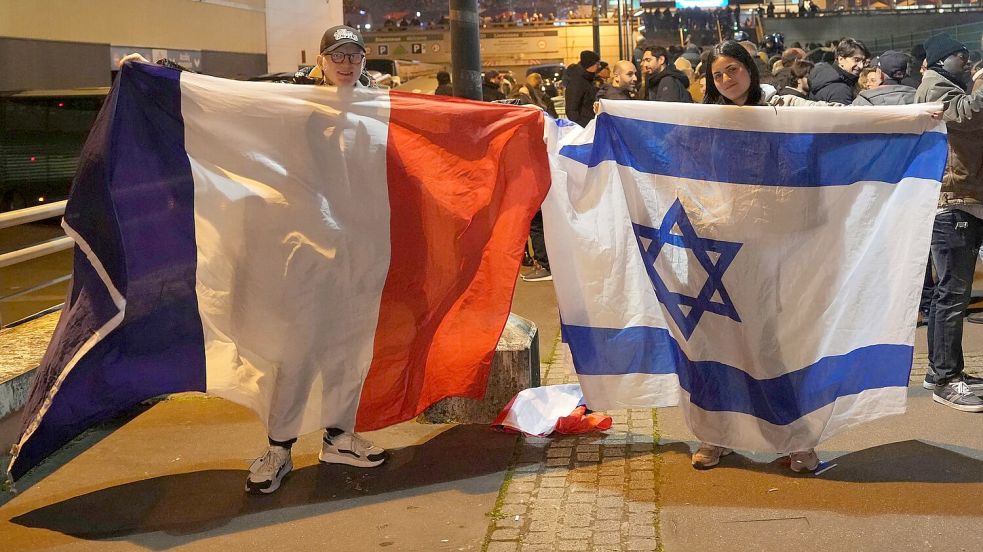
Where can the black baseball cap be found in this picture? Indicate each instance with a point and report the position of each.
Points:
(338, 35)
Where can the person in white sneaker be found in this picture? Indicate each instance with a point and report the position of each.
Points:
(958, 229)
(341, 63)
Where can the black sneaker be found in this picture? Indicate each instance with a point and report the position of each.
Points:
(956, 394)
(538, 275)
(268, 470)
(975, 384)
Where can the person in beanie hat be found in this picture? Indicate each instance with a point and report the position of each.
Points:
(581, 93)
(891, 68)
(958, 230)
(940, 47)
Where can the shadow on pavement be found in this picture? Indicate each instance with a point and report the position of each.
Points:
(907, 477)
(198, 501)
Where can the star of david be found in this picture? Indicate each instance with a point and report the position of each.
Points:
(686, 311)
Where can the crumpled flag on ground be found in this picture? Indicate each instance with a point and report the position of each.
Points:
(543, 410)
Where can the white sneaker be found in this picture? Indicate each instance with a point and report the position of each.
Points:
(351, 449)
(268, 470)
(708, 456)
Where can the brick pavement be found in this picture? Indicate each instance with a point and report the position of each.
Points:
(595, 492)
(592, 492)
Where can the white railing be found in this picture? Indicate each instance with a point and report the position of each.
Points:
(25, 216)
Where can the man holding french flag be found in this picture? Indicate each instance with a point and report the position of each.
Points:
(333, 257)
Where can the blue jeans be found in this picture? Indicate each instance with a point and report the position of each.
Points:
(956, 239)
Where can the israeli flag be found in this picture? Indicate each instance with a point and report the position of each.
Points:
(759, 267)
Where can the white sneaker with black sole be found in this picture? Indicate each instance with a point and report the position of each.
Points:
(351, 449)
(268, 470)
(974, 383)
(956, 394)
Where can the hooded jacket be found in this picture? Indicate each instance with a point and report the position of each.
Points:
(669, 85)
(580, 94)
(962, 181)
(886, 94)
(830, 83)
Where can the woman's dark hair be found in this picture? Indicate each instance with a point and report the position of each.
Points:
(732, 49)
(799, 70)
(443, 77)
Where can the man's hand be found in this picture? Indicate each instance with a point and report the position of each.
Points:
(133, 57)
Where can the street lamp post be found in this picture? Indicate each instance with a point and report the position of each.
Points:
(465, 50)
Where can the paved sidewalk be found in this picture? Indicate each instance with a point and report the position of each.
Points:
(592, 492)
(601, 492)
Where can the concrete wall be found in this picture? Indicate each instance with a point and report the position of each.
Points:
(69, 43)
(294, 29)
(238, 26)
(864, 27)
(38, 64)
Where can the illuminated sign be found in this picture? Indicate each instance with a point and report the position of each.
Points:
(701, 4)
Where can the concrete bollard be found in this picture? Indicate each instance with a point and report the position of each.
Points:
(514, 368)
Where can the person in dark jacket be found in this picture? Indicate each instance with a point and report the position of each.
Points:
(835, 83)
(580, 93)
(444, 87)
(663, 82)
(491, 87)
(958, 230)
(622, 85)
(892, 67)
(796, 77)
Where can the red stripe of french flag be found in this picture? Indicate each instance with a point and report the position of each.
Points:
(467, 183)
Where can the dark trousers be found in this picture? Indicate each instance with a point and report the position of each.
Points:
(956, 239)
(538, 240)
(928, 290)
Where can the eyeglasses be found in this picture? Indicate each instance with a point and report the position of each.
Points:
(339, 57)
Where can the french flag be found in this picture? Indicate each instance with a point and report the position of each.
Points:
(759, 267)
(327, 258)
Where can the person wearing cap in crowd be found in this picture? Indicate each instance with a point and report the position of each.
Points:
(580, 94)
(444, 87)
(341, 63)
(491, 86)
(958, 230)
(892, 68)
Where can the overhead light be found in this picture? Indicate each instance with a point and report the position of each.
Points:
(368, 26)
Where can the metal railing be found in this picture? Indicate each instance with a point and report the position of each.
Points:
(967, 33)
(34, 251)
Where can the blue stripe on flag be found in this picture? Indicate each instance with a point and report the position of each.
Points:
(806, 160)
(719, 387)
(135, 164)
